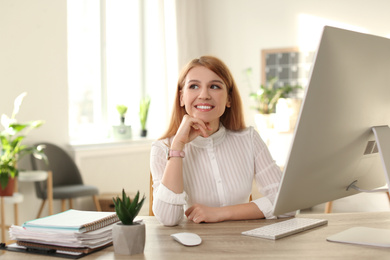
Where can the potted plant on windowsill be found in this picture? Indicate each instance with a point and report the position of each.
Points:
(128, 236)
(143, 114)
(12, 148)
(122, 131)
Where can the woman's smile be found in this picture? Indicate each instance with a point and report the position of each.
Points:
(204, 107)
(204, 96)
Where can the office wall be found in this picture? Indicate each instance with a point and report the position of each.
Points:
(33, 58)
(237, 31)
(113, 167)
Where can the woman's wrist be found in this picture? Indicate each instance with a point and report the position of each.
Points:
(225, 214)
(177, 146)
(174, 153)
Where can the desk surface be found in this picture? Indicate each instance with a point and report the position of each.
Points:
(224, 241)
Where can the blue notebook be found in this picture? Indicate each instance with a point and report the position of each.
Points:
(74, 220)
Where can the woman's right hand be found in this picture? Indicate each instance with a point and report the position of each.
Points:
(189, 129)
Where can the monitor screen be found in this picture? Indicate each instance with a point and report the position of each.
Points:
(334, 145)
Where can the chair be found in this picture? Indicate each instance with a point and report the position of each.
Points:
(67, 180)
(151, 196)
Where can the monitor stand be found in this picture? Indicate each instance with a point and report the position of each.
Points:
(382, 136)
(365, 235)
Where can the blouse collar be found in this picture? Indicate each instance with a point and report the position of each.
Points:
(214, 139)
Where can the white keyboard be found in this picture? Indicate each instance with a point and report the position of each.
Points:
(285, 228)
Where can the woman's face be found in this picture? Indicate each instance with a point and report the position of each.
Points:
(204, 96)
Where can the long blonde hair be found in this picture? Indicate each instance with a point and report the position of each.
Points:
(232, 118)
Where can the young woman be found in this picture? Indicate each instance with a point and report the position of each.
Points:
(207, 159)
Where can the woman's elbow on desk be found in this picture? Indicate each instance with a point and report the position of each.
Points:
(168, 217)
(169, 222)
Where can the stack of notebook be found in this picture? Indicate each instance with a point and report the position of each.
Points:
(74, 232)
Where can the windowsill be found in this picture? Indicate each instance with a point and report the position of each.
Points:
(109, 143)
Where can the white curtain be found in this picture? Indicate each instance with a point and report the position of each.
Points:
(160, 60)
(173, 36)
(192, 41)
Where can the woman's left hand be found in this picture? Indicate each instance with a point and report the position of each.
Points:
(199, 213)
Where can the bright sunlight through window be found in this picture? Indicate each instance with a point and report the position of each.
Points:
(104, 66)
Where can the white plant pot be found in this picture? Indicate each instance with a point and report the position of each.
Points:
(128, 239)
(121, 132)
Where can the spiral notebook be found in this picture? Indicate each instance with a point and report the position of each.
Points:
(74, 220)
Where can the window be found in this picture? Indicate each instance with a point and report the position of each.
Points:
(104, 65)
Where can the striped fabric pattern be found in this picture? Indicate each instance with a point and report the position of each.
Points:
(218, 171)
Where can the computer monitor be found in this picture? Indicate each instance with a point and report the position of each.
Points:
(334, 145)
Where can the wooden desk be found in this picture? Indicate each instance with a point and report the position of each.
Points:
(224, 241)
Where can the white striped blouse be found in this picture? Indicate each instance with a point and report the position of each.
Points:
(217, 171)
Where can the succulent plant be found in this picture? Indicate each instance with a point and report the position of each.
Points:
(128, 209)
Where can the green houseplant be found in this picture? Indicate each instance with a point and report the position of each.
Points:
(268, 95)
(12, 148)
(143, 114)
(122, 109)
(128, 236)
(128, 209)
(266, 98)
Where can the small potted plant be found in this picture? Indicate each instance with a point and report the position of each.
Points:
(128, 236)
(266, 99)
(268, 95)
(11, 146)
(122, 131)
(143, 114)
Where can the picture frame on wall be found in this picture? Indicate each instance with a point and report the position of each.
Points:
(289, 65)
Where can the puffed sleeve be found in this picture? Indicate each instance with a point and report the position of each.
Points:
(167, 205)
(267, 176)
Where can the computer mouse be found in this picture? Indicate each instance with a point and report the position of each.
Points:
(187, 239)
